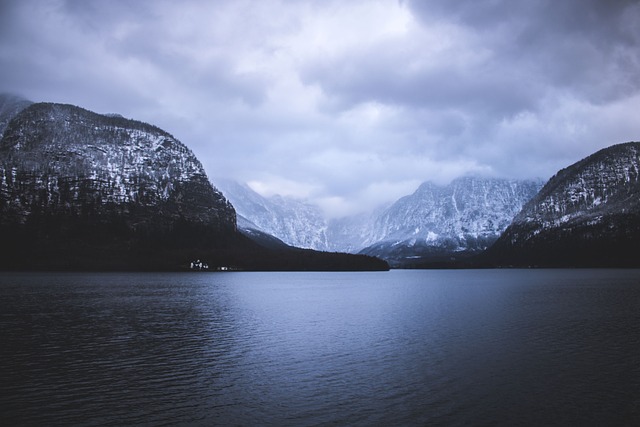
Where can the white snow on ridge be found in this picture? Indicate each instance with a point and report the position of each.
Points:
(293, 221)
(466, 210)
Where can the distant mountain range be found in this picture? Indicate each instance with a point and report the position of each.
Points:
(80, 190)
(433, 224)
(586, 215)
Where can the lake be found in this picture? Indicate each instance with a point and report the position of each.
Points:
(431, 347)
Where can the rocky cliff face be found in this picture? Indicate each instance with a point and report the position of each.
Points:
(61, 159)
(438, 223)
(65, 171)
(293, 221)
(586, 215)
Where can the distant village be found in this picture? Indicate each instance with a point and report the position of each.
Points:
(198, 265)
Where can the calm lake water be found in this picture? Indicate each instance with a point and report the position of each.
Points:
(471, 347)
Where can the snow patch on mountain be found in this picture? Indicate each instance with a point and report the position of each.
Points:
(467, 208)
(295, 222)
(587, 215)
(467, 214)
(605, 182)
(64, 158)
(443, 221)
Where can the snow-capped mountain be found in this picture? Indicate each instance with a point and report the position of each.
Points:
(587, 214)
(352, 233)
(437, 222)
(463, 217)
(62, 158)
(77, 188)
(293, 221)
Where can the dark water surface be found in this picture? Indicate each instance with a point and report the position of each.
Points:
(487, 347)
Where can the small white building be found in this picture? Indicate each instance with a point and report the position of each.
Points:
(199, 265)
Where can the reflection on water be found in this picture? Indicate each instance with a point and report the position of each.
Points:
(489, 347)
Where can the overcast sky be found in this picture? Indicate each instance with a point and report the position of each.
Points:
(346, 103)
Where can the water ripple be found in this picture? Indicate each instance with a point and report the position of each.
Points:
(403, 348)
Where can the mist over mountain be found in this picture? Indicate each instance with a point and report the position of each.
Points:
(10, 106)
(435, 223)
(588, 214)
(293, 221)
(353, 233)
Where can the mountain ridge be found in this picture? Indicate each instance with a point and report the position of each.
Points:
(587, 214)
(126, 161)
(445, 222)
(295, 222)
(83, 190)
(458, 219)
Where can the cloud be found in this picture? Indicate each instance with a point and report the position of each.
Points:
(345, 103)
(572, 45)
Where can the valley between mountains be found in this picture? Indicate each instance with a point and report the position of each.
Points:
(434, 224)
(81, 190)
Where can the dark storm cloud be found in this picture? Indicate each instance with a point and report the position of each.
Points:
(522, 78)
(484, 87)
(572, 44)
(586, 47)
(348, 103)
